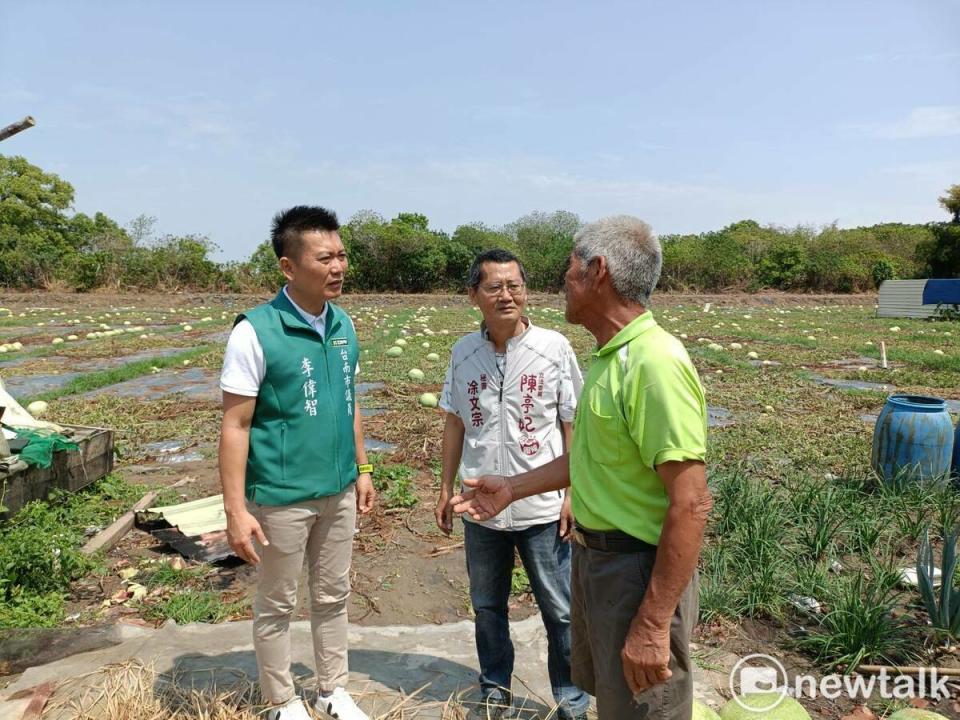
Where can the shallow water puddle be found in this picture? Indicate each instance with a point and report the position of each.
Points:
(169, 452)
(365, 387)
(719, 417)
(373, 445)
(852, 384)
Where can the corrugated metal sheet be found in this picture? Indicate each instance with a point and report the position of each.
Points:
(197, 529)
(197, 517)
(903, 298)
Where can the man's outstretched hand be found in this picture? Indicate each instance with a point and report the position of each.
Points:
(489, 495)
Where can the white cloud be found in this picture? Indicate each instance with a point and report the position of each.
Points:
(18, 97)
(908, 57)
(923, 122)
(929, 169)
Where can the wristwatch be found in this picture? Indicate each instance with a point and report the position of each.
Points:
(365, 468)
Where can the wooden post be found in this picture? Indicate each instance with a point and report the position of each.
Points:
(883, 355)
(106, 539)
(11, 130)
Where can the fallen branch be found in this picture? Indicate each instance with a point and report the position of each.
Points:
(110, 536)
(445, 550)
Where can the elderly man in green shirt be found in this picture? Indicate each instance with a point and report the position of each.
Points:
(638, 479)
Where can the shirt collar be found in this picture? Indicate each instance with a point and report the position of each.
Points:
(485, 334)
(315, 321)
(631, 330)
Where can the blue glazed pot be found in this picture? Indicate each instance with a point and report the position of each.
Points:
(913, 439)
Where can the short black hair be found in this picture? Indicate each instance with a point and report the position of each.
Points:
(289, 226)
(497, 255)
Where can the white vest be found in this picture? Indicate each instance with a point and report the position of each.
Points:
(513, 426)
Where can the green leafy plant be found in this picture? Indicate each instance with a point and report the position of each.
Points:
(519, 582)
(396, 484)
(943, 607)
(44, 610)
(40, 549)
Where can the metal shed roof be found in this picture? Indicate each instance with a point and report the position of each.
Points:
(903, 298)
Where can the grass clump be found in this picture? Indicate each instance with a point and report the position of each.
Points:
(192, 605)
(862, 623)
(163, 574)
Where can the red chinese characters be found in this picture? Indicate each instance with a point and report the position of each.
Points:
(528, 386)
(476, 415)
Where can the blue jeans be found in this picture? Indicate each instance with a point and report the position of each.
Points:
(546, 558)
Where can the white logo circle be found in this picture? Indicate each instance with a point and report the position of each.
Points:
(766, 670)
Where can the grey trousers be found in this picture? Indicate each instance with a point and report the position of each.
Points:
(607, 589)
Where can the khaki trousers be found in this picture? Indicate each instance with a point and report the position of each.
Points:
(323, 531)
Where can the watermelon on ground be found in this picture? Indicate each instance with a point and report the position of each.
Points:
(787, 708)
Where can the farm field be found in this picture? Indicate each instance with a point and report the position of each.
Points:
(805, 545)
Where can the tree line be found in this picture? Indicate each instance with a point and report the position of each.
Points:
(43, 245)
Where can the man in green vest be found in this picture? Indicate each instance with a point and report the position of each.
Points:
(292, 462)
(636, 469)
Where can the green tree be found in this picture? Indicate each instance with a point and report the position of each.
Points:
(402, 255)
(841, 260)
(883, 269)
(414, 253)
(681, 255)
(466, 243)
(361, 238)
(725, 262)
(185, 262)
(951, 202)
(102, 247)
(784, 266)
(899, 243)
(544, 242)
(264, 268)
(33, 224)
(940, 256)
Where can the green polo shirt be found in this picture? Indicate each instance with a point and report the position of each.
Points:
(642, 405)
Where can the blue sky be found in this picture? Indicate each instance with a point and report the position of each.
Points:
(213, 115)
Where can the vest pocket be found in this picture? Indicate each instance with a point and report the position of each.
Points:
(283, 453)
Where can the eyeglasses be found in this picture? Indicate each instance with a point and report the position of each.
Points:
(513, 288)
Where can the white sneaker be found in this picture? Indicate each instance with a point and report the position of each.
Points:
(340, 706)
(293, 710)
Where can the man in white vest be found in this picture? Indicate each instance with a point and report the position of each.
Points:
(510, 395)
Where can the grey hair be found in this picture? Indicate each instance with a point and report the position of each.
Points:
(632, 251)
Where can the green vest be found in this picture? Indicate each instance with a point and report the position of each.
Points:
(301, 438)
